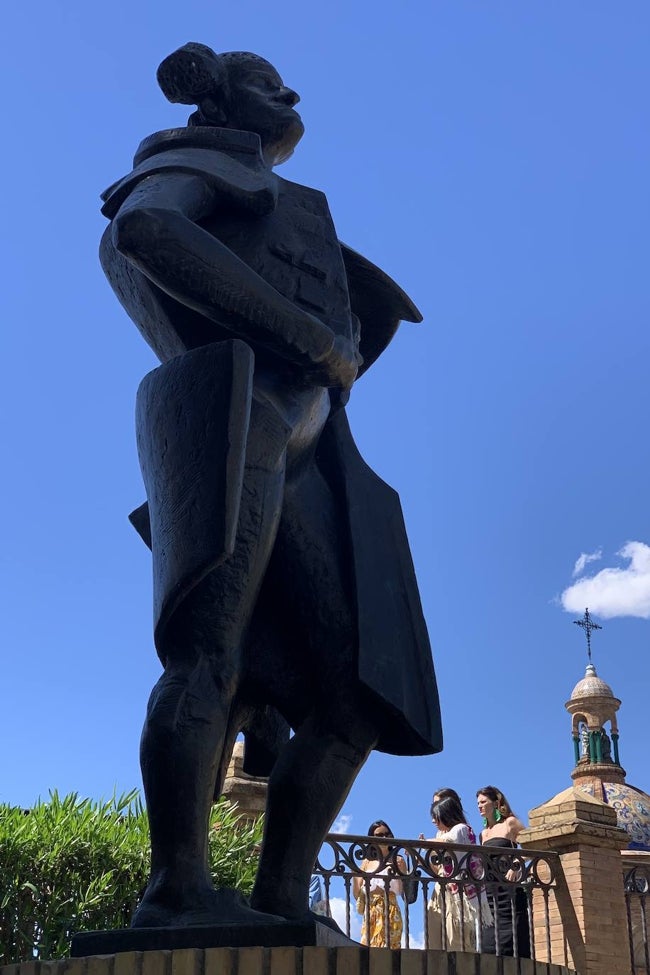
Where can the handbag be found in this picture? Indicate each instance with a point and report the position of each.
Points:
(410, 889)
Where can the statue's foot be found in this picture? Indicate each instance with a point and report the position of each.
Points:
(162, 907)
(278, 902)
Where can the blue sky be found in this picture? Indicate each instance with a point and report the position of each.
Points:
(493, 157)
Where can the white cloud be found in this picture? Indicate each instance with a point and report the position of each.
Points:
(337, 910)
(585, 559)
(614, 592)
(342, 824)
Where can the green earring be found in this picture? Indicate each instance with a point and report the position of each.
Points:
(484, 820)
(497, 816)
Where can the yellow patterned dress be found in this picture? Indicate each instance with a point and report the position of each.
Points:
(382, 918)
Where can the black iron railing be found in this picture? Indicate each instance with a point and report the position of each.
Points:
(636, 880)
(429, 894)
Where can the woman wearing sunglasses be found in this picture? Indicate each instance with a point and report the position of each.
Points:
(377, 893)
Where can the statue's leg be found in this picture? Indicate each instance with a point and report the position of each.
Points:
(190, 717)
(184, 728)
(317, 768)
(307, 788)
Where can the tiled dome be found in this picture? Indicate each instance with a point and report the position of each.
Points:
(632, 807)
(591, 686)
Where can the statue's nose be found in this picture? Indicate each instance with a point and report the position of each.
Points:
(289, 96)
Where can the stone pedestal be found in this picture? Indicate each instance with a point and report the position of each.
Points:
(297, 934)
(287, 961)
(588, 921)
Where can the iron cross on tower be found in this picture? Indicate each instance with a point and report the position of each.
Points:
(588, 625)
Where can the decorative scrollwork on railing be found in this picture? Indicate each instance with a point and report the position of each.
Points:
(636, 882)
(470, 898)
(435, 862)
(636, 879)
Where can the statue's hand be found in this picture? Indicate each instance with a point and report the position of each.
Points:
(341, 364)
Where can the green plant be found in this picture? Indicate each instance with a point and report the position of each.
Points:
(234, 844)
(72, 864)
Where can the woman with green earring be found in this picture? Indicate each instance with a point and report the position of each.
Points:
(498, 818)
(511, 932)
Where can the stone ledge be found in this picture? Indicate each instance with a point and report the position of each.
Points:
(571, 804)
(288, 961)
(570, 835)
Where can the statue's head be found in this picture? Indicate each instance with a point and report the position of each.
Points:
(236, 90)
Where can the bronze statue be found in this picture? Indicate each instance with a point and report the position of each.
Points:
(283, 584)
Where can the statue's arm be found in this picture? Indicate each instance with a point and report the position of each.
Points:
(156, 229)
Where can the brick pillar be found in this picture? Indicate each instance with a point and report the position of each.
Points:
(588, 921)
(248, 791)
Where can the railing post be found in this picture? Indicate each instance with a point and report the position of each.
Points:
(587, 915)
(636, 874)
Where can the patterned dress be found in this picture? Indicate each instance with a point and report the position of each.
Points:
(463, 911)
(382, 918)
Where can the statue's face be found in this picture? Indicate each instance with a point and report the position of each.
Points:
(259, 102)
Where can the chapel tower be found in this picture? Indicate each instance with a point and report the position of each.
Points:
(598, 771)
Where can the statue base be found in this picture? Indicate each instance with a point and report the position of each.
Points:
(296, 934)
(308, 960)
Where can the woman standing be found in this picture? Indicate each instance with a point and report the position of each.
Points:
(509, 904)
(377, 895)
(455, 906)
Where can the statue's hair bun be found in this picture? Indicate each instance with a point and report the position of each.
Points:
(190, 74)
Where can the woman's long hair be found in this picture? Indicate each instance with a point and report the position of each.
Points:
(446, 794)
(447, 813)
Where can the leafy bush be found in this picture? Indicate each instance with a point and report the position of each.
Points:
(73, 864)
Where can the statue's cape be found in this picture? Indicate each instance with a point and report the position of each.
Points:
(395, 661)
(378, 302)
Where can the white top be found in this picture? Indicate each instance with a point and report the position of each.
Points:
(377, 882)
(457, 834)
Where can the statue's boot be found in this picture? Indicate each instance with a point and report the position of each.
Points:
(208, 906)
